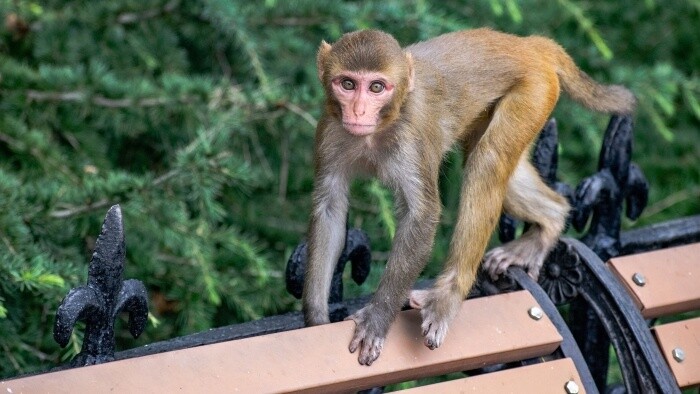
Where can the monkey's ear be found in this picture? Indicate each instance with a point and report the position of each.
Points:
(323, 51)
(411, 71)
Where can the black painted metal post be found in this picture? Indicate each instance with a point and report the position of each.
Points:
(356, 250)
(104, 297)
(601, 196)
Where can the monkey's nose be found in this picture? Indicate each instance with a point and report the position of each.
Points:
(359, 108)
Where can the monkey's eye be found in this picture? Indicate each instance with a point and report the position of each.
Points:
(347, 84)
(376, 87)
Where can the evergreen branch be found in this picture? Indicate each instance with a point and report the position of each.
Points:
(7, 243)
(260, 153)
(44, 161)
(133, 17)
(299, 111)
(287, 225)
(125, 103)
(101, 101)
(671, 200)
(55, 96)
(10, 357)
(223, 61)
(36, 352)
(289, 21)
(9, 140)
(69, 212)
(169, 258)
(255, 62)
(588, 27)
(385, 207)
(284, 168)
(165, 177)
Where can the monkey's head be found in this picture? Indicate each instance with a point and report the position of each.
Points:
(366, 76)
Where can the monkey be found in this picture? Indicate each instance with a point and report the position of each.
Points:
(393, 113)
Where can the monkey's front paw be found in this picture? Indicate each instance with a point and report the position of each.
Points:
(437, 313)
(368, 337)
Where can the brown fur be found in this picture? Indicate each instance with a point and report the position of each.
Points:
(486, 91)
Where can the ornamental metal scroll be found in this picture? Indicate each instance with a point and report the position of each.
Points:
(106, 295)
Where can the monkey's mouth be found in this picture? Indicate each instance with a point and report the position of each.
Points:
(359, 129)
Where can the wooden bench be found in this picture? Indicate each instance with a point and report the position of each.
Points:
(490, 330)
(666, 283)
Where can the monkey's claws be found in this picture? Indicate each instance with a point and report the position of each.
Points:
(514, 253)
(438, 308)
(434, 332)
(368, 337)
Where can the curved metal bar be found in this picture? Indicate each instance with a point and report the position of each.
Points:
(643, 367)
(661, 235)
(568, 346)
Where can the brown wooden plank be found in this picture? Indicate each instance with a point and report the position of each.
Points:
(672, 276)
(543, 378)
(685, 335)
(487, 330)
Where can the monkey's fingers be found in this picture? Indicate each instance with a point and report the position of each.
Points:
(534, 273)
(369, 342)
(515, 253)
(437, 313)
(434, 333)
(357, 335)
(355, 343)
(370, 350)
(495, 264)
(370, 345)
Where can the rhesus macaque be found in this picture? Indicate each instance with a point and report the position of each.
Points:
(392, 113)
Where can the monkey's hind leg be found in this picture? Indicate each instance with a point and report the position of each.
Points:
(529, 199)
(517, 119)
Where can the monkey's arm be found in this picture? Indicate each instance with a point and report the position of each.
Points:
(409, 253)
(326, 239)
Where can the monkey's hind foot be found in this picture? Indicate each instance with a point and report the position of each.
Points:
(368, 337)
(520, 253)
(437, 311)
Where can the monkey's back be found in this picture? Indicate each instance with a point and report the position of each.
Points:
(480, 50)
(484, 58)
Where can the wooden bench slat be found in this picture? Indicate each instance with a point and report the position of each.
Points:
(685, 335)
(672, 276)
(486, 330)
(544, 378)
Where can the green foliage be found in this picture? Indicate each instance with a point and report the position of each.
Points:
(198, 118)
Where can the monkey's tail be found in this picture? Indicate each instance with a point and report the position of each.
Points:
(614, 99)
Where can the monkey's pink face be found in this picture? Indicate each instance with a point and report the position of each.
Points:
(362, 95)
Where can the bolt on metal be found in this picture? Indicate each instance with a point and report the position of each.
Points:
(639, 279)
(571, 387)
(535, 312)
(678, 354)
